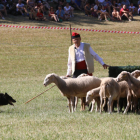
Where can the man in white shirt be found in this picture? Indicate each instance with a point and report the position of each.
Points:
(80, 58)
(21, 8)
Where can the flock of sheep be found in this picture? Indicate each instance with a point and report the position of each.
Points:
(99, 90)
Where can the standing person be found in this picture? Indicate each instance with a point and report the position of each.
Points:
(80, 58)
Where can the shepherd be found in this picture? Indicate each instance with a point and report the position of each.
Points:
(80, 59)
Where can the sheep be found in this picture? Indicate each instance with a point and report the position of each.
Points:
(135, 73)
(93, 96)
(133, 83)
(73, 86)
(111, 89)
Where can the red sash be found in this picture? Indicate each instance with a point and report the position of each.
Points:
(82, 65)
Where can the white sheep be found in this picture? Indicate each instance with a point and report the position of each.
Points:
(134, 85)
(135, 73)
(73, 86)
(111, 89)
(93, 96)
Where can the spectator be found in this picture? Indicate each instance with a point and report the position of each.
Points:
(126, 2)
(107, 4)
(46, 4)
(31, 8)
(96, 9)
(101, 1)
(116, 15)
(69, 10)
(52, 15)
(138, 3)
(39, 5)
(40, 15)
(76, 4)
(3, 10)
(133, 9)
(125, 14)
(118, 3)
(21, 8)
(88, 9)
(60, 13)
(139, 10)
(104, 14)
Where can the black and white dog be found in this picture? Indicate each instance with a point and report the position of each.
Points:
(6, 99)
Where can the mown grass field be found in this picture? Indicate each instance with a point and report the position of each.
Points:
(28, 55)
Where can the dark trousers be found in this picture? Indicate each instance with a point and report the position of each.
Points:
(78, 72)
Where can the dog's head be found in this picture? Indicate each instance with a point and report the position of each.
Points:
(9, 99)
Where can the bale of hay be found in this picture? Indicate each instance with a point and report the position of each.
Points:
(115, 70)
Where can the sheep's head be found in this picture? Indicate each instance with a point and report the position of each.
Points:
(136, 73)
(48, 79)
(89, 97)
(123, 76)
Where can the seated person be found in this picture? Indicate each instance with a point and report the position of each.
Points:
(104, 14)
(39, 15)
(88, 9)
(107, 4)
(1, 16)
(46, 4)
(20, 8)
(76, 4)
(125, 14)
(68, 10)
(138, 3)
(3, 11)
(132, 8)
(139, 10)
(39, 5)
(31, 8)
(96, 12)
(61, 14)
(125, 2)
(52, 15)
(116, 15)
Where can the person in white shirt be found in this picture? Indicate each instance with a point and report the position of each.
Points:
(104, 14)
(69, 10)
(20, 8)
(80, 59)
(132, 8)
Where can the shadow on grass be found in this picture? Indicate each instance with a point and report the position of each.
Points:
(79, 19)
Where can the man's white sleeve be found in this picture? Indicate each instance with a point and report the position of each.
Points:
(96, 56)
(69, 70)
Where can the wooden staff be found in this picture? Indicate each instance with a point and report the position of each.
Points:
(70, 34)
(39, 94)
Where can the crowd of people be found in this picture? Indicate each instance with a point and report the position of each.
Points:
(60, 10)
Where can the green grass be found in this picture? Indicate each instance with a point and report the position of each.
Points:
(28, 55)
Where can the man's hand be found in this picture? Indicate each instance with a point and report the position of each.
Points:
(105, 66)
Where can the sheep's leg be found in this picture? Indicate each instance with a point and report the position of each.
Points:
(128, 104)
(69, 103)
(118, 105)
(73, 103)
(93, 103)
(83, 99)
(101, 101)
(76, 102)
(110, 108)
(98, 105)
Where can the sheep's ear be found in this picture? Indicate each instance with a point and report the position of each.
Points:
(6, 93)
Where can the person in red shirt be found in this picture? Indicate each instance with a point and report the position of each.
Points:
(125, 14)
(40, 15)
